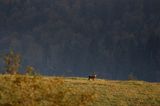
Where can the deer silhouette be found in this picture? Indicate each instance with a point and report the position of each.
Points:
(93, 77)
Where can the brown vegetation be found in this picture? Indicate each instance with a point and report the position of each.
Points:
(12, 62)
(18, 90)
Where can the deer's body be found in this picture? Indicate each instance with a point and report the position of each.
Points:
(93, 77)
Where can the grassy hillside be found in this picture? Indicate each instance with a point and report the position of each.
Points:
(20, 90)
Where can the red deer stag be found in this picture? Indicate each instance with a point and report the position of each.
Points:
(93, 77)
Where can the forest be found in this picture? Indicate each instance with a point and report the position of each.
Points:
(112, 38)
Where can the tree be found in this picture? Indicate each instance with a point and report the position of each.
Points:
(30, 70)
(131, 77)
(12, 62)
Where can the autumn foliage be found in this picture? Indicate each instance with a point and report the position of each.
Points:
(12, 62)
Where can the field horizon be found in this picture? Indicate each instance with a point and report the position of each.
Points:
(24, 90)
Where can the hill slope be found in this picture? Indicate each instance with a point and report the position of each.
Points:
(22, 90)
(113, 37)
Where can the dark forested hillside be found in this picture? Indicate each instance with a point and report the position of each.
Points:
(76, 37)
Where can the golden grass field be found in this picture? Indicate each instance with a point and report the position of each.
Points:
(23, 90)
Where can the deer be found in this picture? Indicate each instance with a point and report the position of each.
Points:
(93, 77)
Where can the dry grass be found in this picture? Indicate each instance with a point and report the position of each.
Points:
(121, 93)
(20, 90)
